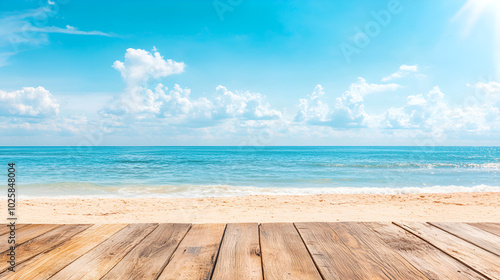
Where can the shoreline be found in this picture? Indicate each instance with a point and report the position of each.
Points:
(436, 207)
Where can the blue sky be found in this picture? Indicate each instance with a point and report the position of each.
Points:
(240, 72)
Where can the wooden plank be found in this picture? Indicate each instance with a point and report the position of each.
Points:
(47, 264)
(284, 255)
(483, 262)
(24, 234)
(489, 227)
(98, 261)
(483, 239)
(433, 263)
(353, 251)
(239, 254)
(150, 256)
(4, 229)
(42, 243)
(195, 257)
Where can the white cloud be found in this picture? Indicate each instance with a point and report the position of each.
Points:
(24, 26)
(314, 109)
(28, 102)
(139, 103)
(488, 92)
(177, 107)
(428, 117)
(141, 66)
(68, 30)
(421, 111)
(242, 104)
(28, 28)
(432, 112)
(60, 126)
(403, 71)
(348, 110)
(33, 110)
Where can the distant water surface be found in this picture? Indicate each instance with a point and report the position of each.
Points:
(228, 171)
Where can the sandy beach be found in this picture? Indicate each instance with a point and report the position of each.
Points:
(450, 207)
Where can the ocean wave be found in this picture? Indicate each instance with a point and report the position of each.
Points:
(489, 165)
(87, 190)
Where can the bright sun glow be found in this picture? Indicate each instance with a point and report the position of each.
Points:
(472, 11)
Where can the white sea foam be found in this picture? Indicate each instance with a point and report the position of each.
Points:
(85, 190)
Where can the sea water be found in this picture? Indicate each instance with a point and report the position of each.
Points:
(230, 171)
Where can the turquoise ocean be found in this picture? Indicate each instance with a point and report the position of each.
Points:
(229, 171)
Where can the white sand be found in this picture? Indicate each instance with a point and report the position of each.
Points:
(463, 207)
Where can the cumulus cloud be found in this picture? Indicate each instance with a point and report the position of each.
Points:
(489, 92)
(314, 109)
(425, 116)
(348, 110)
(141, 66)
(432, 112)
(403, 71)
(140, 102)
(249, 105)
(28, 102)
(149, 108)
(32, 110)
(176, 106)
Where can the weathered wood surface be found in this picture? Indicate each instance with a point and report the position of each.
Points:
(432, 262)
(284, 255)
(489, 227)
(148, 258)
(195, 257)
(483, 239)
(47, 264)
(251, 251)
(352, 251)
(481, 261)
(98, 261)
(42, 243)
(239, 255)
(4, 229)
(24, 234)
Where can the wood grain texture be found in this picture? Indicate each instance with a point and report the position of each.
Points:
(24, 234)
(483, 239)
(47, 264)
(42, 243)
(353, 251)
(483, 262)
(98, 261)
(239, 254)
(433, 263)
(4, 229)
(284, 255)
(150, 256)
(195, 257)
(215, 251)
(489, 227)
